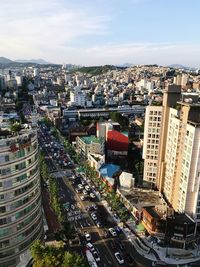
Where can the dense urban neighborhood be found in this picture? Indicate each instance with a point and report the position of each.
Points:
(99, 166)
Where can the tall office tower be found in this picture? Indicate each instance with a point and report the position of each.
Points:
(152, 128)
(178, 168)
(21, 219)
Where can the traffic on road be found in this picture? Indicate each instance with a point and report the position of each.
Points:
(95, 230)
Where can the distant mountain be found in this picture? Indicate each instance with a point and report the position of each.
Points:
(125, 65)
(179, 66)
(4, 60)
(36, 61)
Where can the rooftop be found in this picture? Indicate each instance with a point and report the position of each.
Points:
(153, 212)
(108, 170)
(140, 197)
(92, 139)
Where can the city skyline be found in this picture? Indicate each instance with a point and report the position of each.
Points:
(101, 32)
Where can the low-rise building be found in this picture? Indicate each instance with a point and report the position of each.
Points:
(96, 160)
(126, 180)
(90, 144)
(135, 199)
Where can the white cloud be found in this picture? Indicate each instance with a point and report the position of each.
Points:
(31, 28)
(49, 29)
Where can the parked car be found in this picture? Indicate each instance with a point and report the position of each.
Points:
(94, 216)
(95, 207)
(99, 224)
(87, 236)
(112, 244)
(119, 257)
(120, 245)
(129, 258)
(96, 256)
(92, 195)
(85, 192)
(112, 232)
(90, 246)
(87, 188)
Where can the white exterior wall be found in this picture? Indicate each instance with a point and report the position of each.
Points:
(78, 98)
(188, 190)
(192, 205)
(170, 153)
(151, 142)
(19, 80)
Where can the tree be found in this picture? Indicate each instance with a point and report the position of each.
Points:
(47, 121)
(16, 127)
(46, 256)
(117, 117)
(74, 260)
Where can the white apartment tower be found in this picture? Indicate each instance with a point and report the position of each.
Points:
(178, 164)
(151, 142)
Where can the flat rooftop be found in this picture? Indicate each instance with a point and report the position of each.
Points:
(108, 170)
(92, 139)
(140, 197)
(153, 212)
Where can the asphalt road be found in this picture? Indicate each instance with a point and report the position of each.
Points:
(85, 223)
(68, 195)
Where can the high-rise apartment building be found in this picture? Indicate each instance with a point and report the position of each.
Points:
(177, 166)
(151, 142)
(20, 196)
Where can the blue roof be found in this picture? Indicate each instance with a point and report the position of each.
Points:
(108, 170)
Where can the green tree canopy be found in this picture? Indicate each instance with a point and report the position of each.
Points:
(46, 256)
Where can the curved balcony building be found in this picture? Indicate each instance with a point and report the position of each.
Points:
(21, 219)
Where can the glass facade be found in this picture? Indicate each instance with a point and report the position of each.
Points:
(20, 196)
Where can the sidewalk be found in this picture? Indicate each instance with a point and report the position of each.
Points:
(168, 255)
(51, 218)
(151, 251)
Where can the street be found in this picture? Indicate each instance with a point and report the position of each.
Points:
(79, 206)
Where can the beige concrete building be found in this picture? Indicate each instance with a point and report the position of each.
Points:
(90, 145)
(96, 160)
(178, 164)
(20, 196)
(152, 128)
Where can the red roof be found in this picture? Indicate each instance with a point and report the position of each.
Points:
(117, 141)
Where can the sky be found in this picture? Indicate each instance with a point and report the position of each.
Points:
(98, 32)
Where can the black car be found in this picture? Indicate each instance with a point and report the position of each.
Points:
(112, 244)
(130, 259)
(120, 245)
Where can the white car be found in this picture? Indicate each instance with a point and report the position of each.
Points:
(80, 186)
(96, 256)
(85, 192)
(90, 246)
(92, 195)
(112, 231)
(87, 236)
(119, 258)
(87, 188)
(82, 197)
(94, 216)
